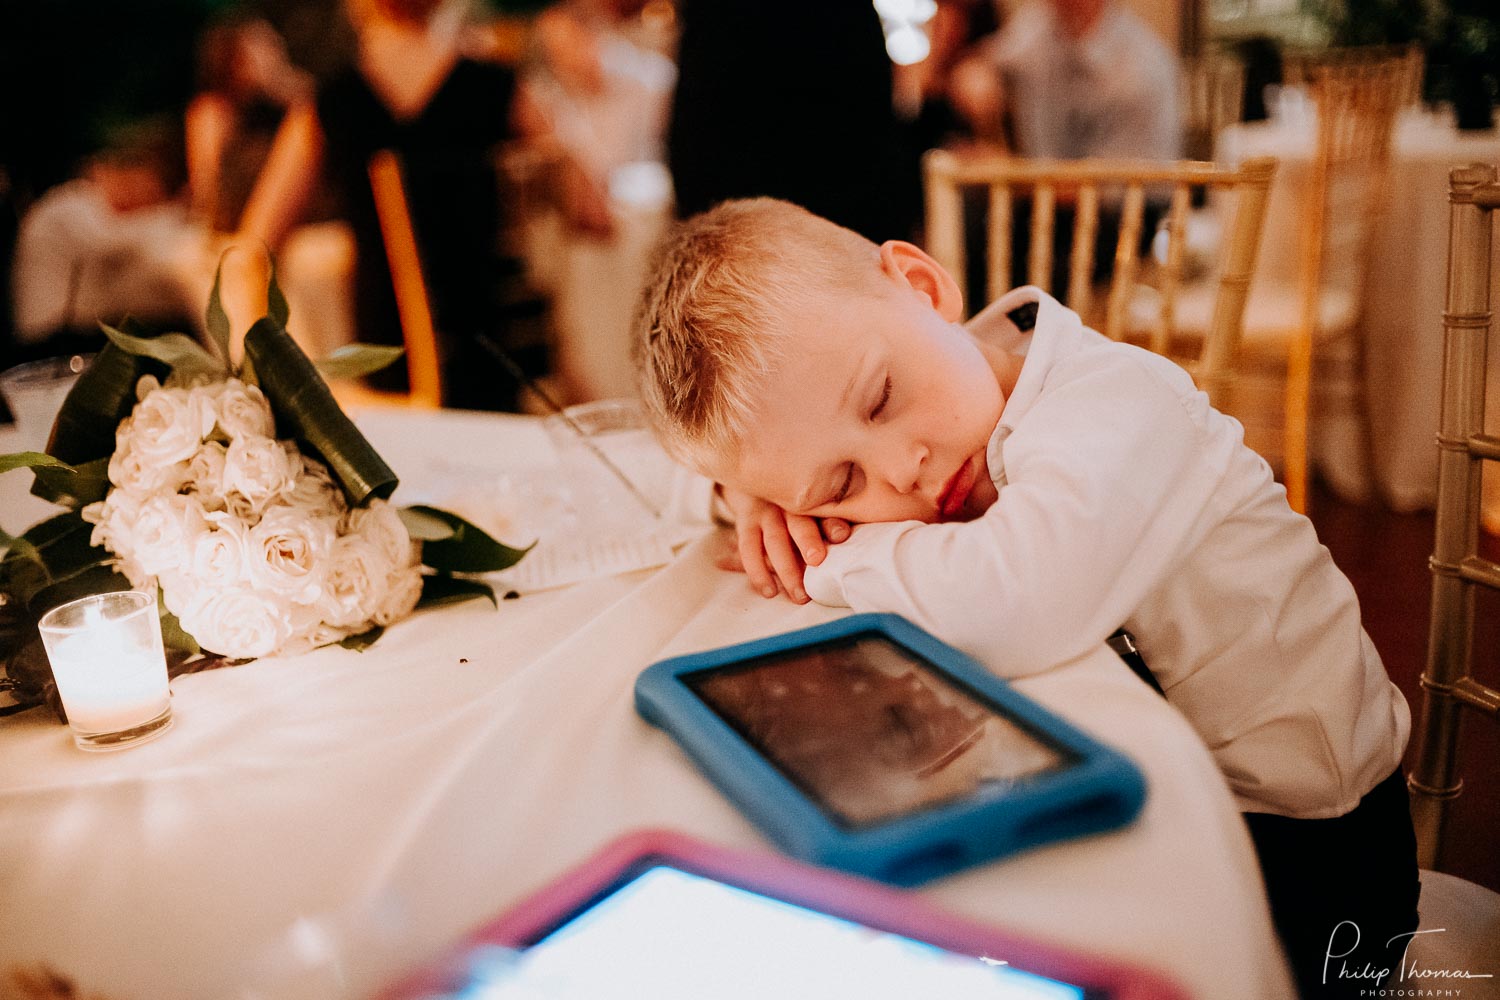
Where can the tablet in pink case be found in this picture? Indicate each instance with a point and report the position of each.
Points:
(661, 915)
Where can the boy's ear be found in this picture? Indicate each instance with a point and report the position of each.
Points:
(911, 266)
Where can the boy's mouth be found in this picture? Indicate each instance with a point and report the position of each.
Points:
(956, 492)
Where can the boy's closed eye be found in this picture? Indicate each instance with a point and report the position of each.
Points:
(849, 483)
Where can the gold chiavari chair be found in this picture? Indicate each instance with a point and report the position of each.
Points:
(1307, 325)
(1357, 102)
(1087, 185)
(424, 369)
(1299, 67)
(1457, 567)
(1468, 914)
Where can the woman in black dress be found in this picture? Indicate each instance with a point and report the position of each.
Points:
(412, 90)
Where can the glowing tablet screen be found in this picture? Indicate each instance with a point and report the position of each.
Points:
(870, 732)
(671, 935)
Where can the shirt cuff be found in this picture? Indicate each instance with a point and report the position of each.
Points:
(825, 582)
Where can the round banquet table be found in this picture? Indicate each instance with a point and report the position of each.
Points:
(1401, 309)
(316, 826)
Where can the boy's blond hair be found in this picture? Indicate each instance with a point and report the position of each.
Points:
(714, 317)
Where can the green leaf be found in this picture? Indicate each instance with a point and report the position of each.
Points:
(75, 486)
(177, 351)
(19, 549)
(60, 551)
(31, 460)
(215, 318)
(306, 410)
(358, 360)
(103, 395)
(468, 549)
(174, 636)
(441, 589)
(276, 308)
(424, 527)
(363, 641)
(98, 580)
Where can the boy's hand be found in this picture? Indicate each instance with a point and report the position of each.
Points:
(773, 547)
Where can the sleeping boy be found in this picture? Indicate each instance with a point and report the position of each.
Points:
(1022, 487)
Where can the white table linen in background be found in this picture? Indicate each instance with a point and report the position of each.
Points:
(314, 826)
(1402, 305)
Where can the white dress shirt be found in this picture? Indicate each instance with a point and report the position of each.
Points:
(1125, 499)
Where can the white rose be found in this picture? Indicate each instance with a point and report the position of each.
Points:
(168, 425)
(114, 518)
(237, 622)
(355, 585)
(315, 490)
(136, 472)
(320, 635)
(219, 555)
(243, 411)
(403, 589)
(164, 532)
(257, 469)
(287, 553)
(205, 475)
(379, 522)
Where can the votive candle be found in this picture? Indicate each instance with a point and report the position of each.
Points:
(110, 668)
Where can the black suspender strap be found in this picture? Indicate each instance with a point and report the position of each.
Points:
(1123, 643)
(1024, 316)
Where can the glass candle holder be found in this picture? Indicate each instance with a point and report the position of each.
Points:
(110, 668)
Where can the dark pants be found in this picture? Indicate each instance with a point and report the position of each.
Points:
(1342, 889)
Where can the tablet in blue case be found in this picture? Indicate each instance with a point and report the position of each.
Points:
(868, 745)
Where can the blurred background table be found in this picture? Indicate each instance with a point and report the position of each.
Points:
(314, 826)
(1402, 304)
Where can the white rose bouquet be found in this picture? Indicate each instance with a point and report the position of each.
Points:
(252, 544)
(245, 498)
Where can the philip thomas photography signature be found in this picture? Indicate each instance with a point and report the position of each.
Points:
(1408, 970)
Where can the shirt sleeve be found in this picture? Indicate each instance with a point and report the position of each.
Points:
(1109, 484)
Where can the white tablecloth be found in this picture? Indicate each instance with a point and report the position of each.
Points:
(314, 826)
(1402, 305)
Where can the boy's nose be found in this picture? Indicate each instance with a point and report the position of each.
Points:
(903, 466)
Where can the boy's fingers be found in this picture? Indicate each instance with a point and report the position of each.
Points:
(752, 558)
(836, 529)
(786, 563)
(809, 539)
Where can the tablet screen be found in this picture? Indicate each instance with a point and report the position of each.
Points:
(870, 732)
(672, 935)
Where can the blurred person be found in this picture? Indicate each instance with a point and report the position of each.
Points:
(603, 98)
(106, 244)
(790, 99)
(1072, 80)
(1078, 79)
(603, 101)
(246, 87)
(415, 90)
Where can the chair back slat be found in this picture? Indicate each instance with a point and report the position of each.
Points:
(945, 228)
(1457, 566)
(998, 239)
(1090, 188)
(1122, 285)
(1172, 267)
(1039, 264)
(1081, 264)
